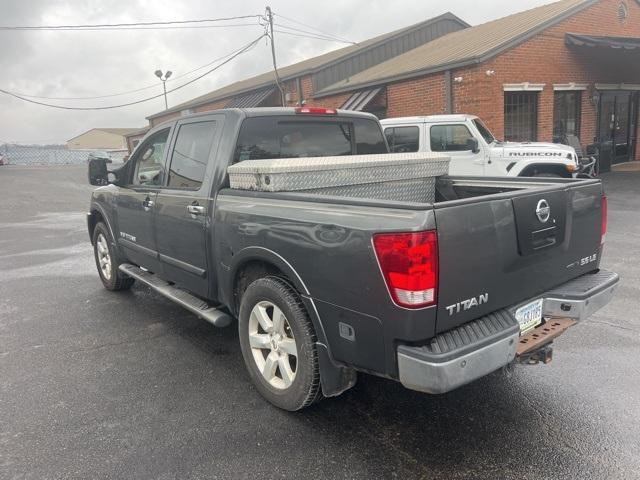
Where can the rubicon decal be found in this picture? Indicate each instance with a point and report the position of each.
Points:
(536, 154)
(464, 305)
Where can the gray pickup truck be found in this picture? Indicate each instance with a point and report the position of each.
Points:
(432, 294)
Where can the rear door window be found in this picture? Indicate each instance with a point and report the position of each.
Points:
(273, 137)
(190, 155)
(403, 139)
(369, 140)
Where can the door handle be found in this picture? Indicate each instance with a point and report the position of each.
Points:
(195, 209)
(147, 203)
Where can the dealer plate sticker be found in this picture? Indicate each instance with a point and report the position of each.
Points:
(529, 316)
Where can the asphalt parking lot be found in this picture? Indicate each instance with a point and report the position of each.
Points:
(95, 384)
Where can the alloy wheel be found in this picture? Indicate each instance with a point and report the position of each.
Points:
(104, 258)
(273, 345)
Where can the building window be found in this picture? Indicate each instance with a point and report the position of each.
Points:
(566, 115)
(450, 138)
(520, 116)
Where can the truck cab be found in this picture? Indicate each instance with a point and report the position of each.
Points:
(475, 151)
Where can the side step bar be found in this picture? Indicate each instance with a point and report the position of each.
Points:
(201, 308)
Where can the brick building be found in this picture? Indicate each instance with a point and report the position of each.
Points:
(570, 67)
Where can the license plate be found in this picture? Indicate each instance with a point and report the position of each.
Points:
(529, 316)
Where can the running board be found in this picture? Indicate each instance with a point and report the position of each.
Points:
(201, 308)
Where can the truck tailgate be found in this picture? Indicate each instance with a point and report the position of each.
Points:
(500, 250)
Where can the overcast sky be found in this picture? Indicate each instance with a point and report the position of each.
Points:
(90, 63)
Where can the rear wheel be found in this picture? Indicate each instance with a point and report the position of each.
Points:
(107, 262)
(278, 344)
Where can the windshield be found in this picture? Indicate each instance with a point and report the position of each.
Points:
(484, 131)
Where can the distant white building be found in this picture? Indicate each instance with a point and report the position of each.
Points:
(107, 139)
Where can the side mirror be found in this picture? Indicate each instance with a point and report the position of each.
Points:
(473, 145)
(98, 174)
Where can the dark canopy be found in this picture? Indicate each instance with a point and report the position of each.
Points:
(616, 43)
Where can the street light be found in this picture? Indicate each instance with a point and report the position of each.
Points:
(164, 85)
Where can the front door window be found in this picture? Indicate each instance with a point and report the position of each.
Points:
(149, 160)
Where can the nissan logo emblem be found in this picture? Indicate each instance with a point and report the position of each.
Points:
(543, 211)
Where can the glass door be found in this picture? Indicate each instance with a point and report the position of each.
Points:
(616, 119)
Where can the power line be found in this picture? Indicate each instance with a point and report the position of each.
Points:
(308, 36)
(313, 28)
(169, 27)
(120, 25)
(328, 37)
(238, 52)
(111, 95)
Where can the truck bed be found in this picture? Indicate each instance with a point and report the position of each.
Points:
(486, 230)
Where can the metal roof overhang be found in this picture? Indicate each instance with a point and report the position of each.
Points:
(250, 100)
(359, 100)
(615, 43)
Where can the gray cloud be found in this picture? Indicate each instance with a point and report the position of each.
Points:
(97, 63)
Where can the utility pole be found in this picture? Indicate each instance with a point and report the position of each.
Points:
(273, 55)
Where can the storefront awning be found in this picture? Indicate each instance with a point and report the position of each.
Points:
(616, 43)
(359, 100)
(250, 100)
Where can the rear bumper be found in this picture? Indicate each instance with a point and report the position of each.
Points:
(582, 297)
(473, 350)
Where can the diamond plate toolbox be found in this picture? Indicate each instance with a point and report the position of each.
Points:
(355, 175)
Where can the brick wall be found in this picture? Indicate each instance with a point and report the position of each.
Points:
(543, 59)
(422, 96)
(547, 59)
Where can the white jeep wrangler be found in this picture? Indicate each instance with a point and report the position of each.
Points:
(475, 151)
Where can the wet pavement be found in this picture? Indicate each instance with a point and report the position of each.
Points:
(95, 384)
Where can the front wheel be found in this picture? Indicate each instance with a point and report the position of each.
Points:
(278, 344)
(106, 260)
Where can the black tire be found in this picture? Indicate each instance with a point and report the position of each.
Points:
(304, 389)
(112, 278)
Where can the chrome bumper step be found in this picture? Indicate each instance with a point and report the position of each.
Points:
(459, 356)
(475, 349)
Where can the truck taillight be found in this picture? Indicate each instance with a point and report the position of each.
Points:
(316, 111)
(409, 264)
(603, 229)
